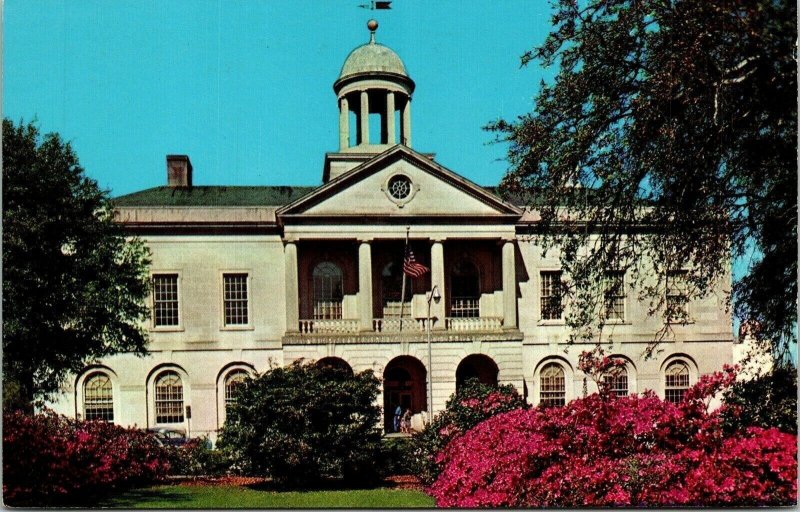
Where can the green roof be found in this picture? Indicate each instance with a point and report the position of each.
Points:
(213, 196)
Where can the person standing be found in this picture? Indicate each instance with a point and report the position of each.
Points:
(398, 412)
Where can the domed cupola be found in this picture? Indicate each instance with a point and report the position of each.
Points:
(373, 81)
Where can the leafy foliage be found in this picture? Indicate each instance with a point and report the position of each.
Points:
(197, 458)
(608, 451)
(469, 405)
(669, 134)
(303, 423)
(53, 460)
(769, 400)
(73, 286)
(398, 456)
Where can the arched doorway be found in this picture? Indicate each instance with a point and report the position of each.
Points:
(404, 380)
(335, 362)
(477, 366)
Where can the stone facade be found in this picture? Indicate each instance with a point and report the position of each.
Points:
(247, 278)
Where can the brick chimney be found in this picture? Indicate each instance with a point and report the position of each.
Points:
(179, 171)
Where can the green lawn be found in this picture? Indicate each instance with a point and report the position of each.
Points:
(174, 496)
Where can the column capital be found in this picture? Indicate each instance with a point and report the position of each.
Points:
(365, 239)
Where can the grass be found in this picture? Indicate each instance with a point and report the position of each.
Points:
(211, 497)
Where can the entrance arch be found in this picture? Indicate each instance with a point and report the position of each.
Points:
(404, 380)
(477, 366)
(335, 362)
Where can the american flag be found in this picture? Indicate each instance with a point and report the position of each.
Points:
(410, 266)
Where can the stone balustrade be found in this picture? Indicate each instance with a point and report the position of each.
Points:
(392, 325)
(337, 326)
(490, 323)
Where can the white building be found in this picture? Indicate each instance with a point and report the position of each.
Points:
(250, 277)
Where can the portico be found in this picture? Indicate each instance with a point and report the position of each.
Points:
(349, 286)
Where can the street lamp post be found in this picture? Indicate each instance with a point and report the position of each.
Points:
(435, 296)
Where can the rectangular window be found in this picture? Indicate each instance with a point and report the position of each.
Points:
(677, 295)
(614, 295)
(551, 295)
(235, 299)
(165, 300)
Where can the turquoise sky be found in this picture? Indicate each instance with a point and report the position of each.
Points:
(245, 87)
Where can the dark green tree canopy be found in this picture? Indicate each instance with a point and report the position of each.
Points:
(74, 287)
(670, 133)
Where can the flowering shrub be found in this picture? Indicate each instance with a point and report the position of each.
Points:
(602, 451)
(471, 404)
(53, 460)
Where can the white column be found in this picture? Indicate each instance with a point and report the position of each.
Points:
(344, 123)
(292, 292)
(438, 279)
(509, 286)
(407, 122)
(365, 286)
(364, 118)
(390, 135)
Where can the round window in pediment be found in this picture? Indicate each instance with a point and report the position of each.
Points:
(399, 187)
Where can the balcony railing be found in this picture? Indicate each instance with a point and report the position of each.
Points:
(490, 323)
(335, 326)
(394, 324)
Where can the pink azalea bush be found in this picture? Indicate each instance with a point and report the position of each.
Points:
(607, 451)
(471, 404)
(50, 459)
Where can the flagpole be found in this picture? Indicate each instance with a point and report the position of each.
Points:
(403, 288)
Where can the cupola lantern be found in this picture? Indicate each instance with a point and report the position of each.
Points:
(373, 80)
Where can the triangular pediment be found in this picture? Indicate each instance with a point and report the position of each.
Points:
(370, 190)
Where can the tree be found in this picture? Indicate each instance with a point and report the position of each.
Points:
(304, 423)
(73, 285)
(767, 400)
(669, 133)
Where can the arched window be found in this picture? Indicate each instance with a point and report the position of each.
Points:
(676, 381)
(327, 291)
(617, 382)
(98, 401)
(552, 385)
(465, 291)
(233, 380)
(169, 398)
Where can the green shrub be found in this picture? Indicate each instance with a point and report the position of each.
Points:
(769, 400)
(197, 458)
(303, 423)
(470, 405)
(397, 456)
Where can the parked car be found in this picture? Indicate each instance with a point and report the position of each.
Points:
(169, 436)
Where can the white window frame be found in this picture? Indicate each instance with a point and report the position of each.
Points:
(667, 295)
(151, 390)
(166, 328)
(693, 373)
(623, 296)
(568, 380)
(222, 379)
(248, 282)
(80, 404)
(550, 321)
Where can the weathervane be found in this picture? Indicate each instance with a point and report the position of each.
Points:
(377, 5)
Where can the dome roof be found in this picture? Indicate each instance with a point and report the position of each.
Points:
(370, 58)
